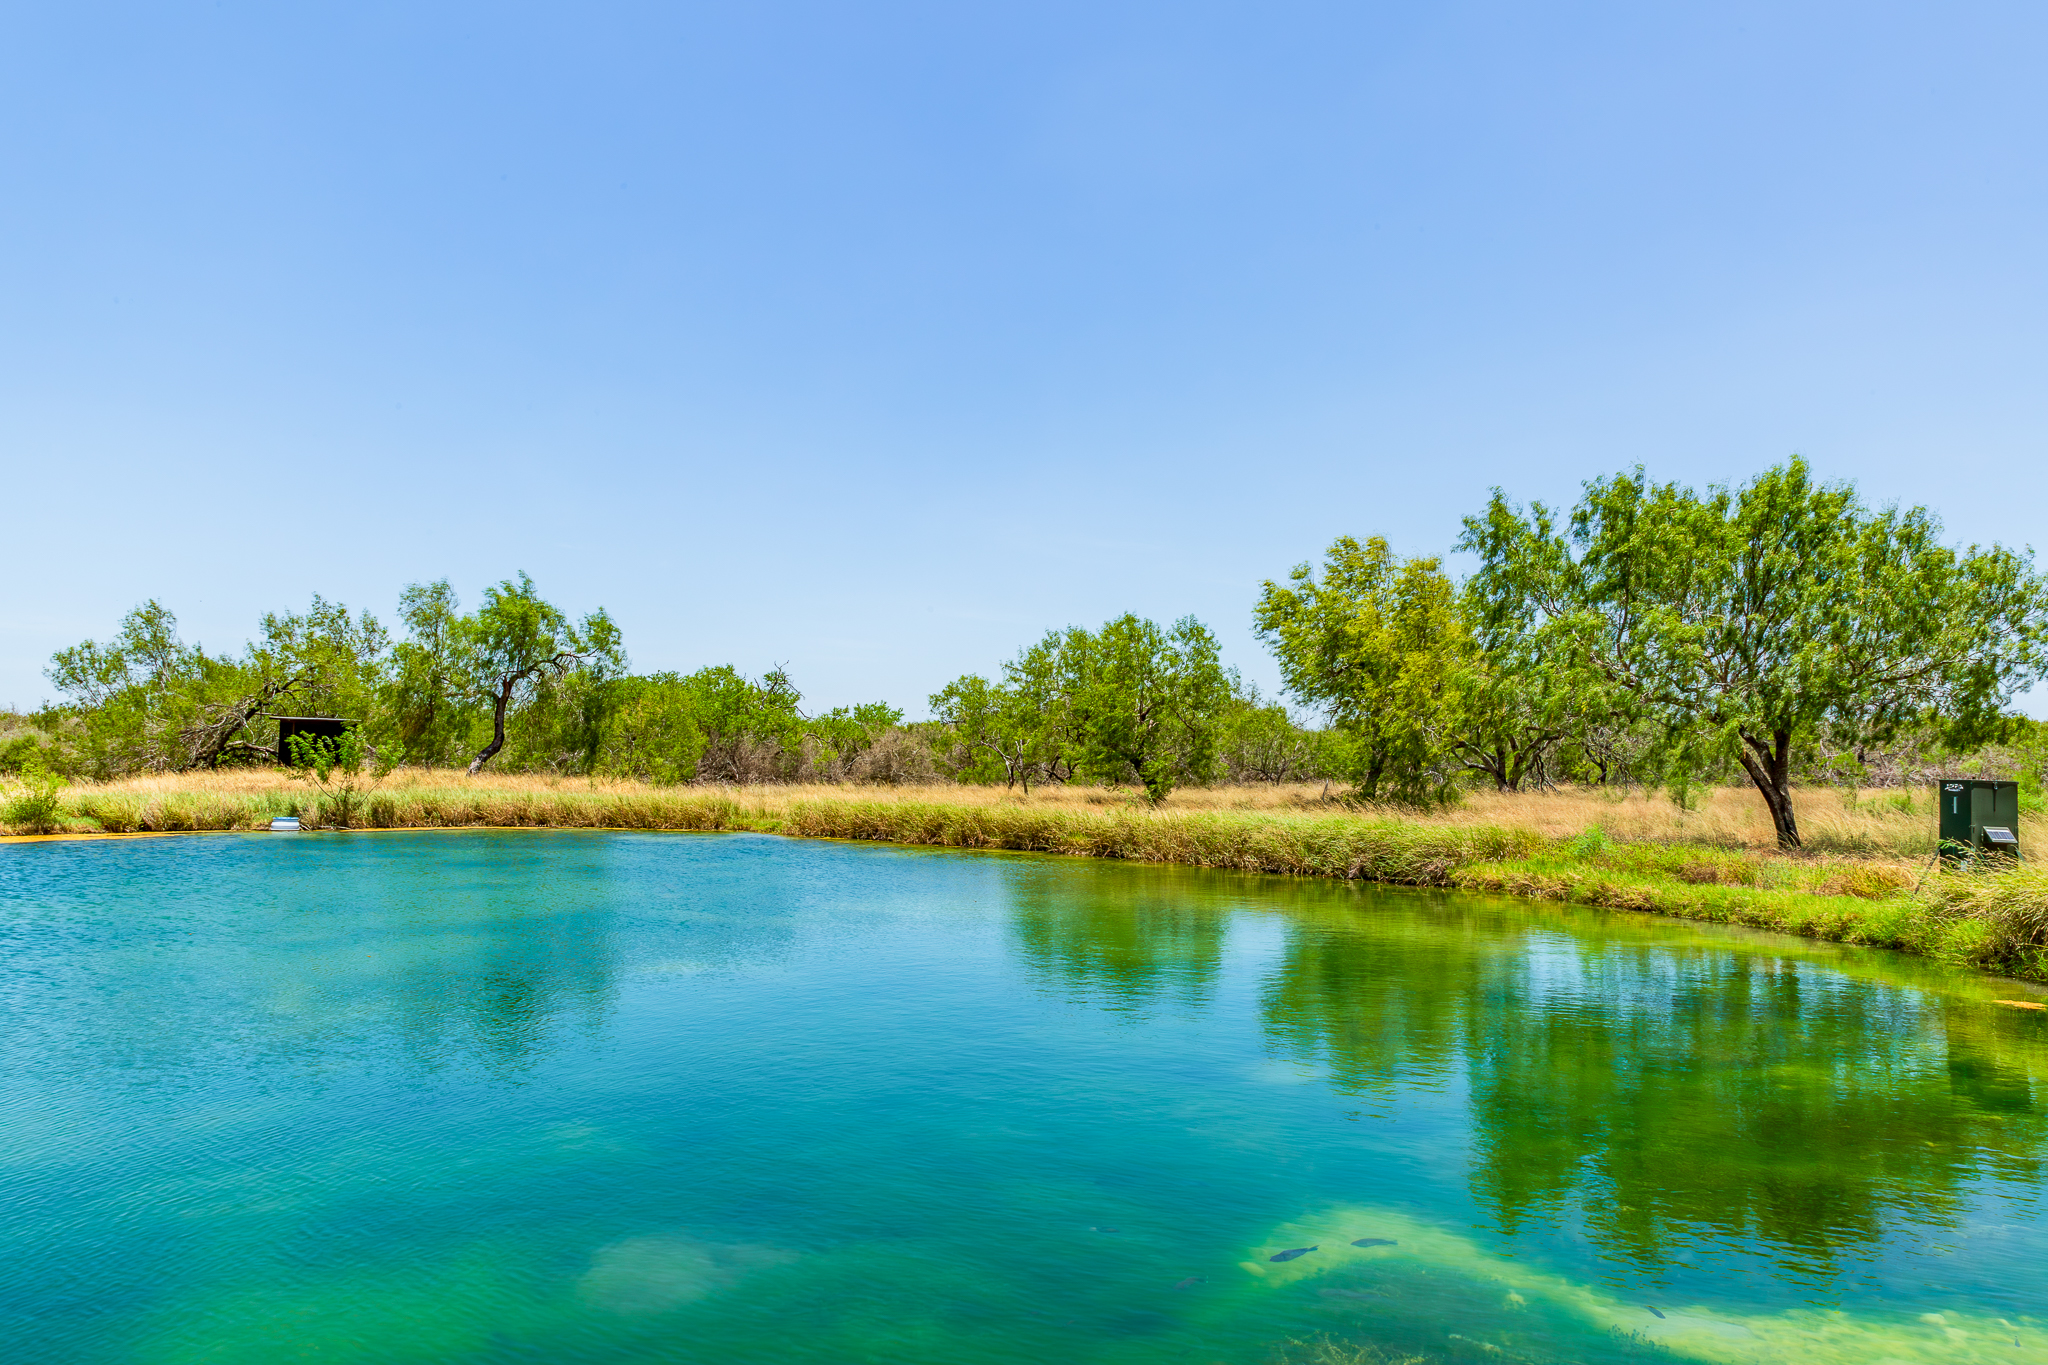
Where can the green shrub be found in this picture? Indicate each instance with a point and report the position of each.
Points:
(38, 808)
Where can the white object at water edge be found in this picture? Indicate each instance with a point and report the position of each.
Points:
(289, 824)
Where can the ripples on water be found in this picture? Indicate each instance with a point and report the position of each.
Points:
(563, 1097)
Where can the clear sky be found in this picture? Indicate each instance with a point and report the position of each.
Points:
(876, 339)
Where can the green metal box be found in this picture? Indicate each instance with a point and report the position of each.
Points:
(1978, 817)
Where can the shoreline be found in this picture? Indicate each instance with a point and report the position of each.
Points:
(1992, 922)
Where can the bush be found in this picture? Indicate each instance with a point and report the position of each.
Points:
(897, 757)
(16, 753)
(37, 809)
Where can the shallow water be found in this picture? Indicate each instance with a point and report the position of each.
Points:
(571, 1097)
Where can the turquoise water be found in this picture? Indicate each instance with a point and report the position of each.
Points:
(571, 1097)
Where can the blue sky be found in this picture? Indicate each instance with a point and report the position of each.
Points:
(877, 339)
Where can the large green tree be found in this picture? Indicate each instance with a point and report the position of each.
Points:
(1750, 621)
(426, 700)
(1376, 642)
(995, 729)
(517, 641)
(1146, 701)
(1132, 702)
(753, 730)
(1419, 681)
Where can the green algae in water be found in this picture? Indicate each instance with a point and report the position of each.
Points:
(577, 1097)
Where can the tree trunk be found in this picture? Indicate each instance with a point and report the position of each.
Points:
(497, 728)
(1770, 767)
(1371, 788)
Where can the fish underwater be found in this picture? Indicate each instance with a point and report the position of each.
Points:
(1190, 1280)
(1375, 1242)
(1653, 1308)
(1290, 1255)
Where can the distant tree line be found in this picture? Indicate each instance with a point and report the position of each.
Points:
(1778, 632)
(517, 685)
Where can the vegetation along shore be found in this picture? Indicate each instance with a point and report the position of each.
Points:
(1639, 852)
(1728, 704)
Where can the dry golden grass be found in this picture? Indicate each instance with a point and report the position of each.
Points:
(1879, 823)
(250, 782)
(268, 781)
(1887, 825)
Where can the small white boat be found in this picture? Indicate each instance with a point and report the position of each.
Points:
(285, 824)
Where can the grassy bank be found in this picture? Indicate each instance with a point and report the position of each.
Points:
(1582, 848)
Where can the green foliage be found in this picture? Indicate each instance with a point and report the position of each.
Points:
(844, 735)
(147, 702)
(996, 732)
(1145, 702)
(1134, 702)
(18, 752)
(323, 662)
(753, 731)
(426, 701)
(36, 810)
(1142, 703)
(517, 670)
(516, 643)
(1258, 741)
(655, 731)
(1746, 623)
(345, 769)
(1420, 685)
(1589, 844)
(138, 693)
(1380, 645)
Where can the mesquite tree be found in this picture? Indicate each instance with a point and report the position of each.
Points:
(1145, 701)
(1376, 642)
(515, 640)
(993, 726)
(1751, 622)
(145, 700)
(1132, 702)
(1415, 680)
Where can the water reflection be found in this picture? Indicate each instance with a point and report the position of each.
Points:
(324, 964)
(494, 989)
(1379, 1005)
(1129, 945)
(820, 1102)
(1622, 1082)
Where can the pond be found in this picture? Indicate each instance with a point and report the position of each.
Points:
(556, 1097)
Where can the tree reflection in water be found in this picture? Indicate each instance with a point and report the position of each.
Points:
(502, 984)
(1669, 1087)
(1127, 945)
(336, 958)
(1647, 1083)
